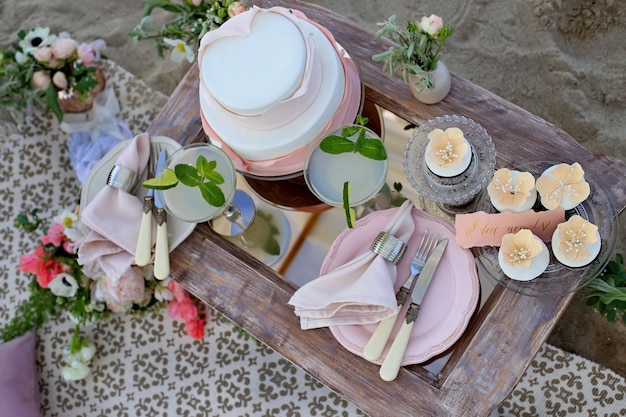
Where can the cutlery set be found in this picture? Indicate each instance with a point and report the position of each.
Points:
(423, 267)
(143, 251)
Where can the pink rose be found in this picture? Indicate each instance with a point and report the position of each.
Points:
(195, 327)
(60, 80)
(43, 54)
(431, 25)
(41, 80)
(235, 8)
(38, 264)
(129, 288)
(63, 48)
(55, 233)
(88, 53)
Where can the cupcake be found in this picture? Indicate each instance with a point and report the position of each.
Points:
(448, 153)
(511, 190)
(563, 186)
(523, 256)
(576, 242)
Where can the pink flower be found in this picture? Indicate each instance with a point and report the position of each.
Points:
(43, 54)
(235, 8)
(38, 264)
(431, 25)
(195, 327)
(178, 291)
(88, 53)
(129, 288)
(55, 235)
(41, 80)
(60, 80)
(63, 48)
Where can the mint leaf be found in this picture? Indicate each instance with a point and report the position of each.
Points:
(214, 177)
(358, 144)
(336, 144)
(373, 149)
(204, 167)
(350, 131)
(212, 194)
(188, 175)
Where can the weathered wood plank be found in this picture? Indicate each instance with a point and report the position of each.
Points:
(497, 347)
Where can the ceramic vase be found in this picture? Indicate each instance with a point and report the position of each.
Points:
(70, 103)
(440, 77)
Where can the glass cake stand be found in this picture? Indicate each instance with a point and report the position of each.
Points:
(558, 279)
(447, 196)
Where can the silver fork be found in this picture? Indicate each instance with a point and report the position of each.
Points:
(143, 250)
(377, 342)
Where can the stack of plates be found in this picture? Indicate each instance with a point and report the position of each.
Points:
(270, 136)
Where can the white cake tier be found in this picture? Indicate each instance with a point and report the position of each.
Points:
(247, 73)
(255, 145)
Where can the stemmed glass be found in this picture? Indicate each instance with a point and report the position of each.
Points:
(234, 217)
(347, 174)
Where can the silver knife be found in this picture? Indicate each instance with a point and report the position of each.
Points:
(391, 365)
(161, 250)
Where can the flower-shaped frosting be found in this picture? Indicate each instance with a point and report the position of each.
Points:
(520, 248)
(574, 234)
(509, 191)
(563, 180)
(447, 148)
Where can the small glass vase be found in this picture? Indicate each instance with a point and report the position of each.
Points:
(440, 77)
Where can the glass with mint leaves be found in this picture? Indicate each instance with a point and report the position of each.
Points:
(348, 167)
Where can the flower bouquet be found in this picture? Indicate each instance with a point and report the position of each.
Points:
(193, 19)
(61, 284)
(42, 65)
(417, 47)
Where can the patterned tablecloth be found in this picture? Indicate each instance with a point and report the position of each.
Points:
(149, 367)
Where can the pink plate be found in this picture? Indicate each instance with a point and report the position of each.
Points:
(448, 305)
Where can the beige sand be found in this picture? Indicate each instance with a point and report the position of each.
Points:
(564, 60)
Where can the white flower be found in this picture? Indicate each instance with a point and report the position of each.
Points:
(162, 293)
(431, 25)
(35, 39)
(63, 48)
(63, 285)
(75, 371)
(20, 58)
(180, 50)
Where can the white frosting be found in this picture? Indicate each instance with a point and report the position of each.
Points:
(258, 145)
(566, 202)
(526, 205)
(449, 170)
(593, 248)
(268, 65)
(520, 273)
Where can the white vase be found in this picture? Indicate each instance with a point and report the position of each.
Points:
(440, 77)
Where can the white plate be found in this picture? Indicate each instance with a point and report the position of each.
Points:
(177, 230)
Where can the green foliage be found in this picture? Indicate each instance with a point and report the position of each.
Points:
(416, 51)
(31, 315)
(372, 148)
(607, 292)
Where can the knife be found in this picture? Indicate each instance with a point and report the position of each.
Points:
(391, 365)
(161, 250)
(143, 250)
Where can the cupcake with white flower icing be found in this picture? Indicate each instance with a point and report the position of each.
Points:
(576, 242)
(448, 153)
(511, 190)
(563, 185)
(523, 256)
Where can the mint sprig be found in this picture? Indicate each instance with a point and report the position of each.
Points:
(203, 175)
(372, 148)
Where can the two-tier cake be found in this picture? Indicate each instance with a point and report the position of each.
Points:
(271, 83)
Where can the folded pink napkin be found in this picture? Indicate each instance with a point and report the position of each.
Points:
(113, 217)
(358, 292)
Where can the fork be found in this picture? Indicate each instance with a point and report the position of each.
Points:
(143, 250)
(377, 342)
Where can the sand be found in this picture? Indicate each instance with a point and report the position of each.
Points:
(563, 60)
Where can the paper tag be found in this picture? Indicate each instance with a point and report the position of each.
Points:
(483, 229)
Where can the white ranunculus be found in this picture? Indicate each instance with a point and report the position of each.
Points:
(75, 371)
(180, 50)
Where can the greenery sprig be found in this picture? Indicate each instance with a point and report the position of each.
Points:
(203, 175)
(607, 292)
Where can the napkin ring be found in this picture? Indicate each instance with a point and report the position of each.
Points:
(122, 178)
(389, 247)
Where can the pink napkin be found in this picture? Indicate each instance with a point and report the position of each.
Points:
(359, 292)
(113, 217)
